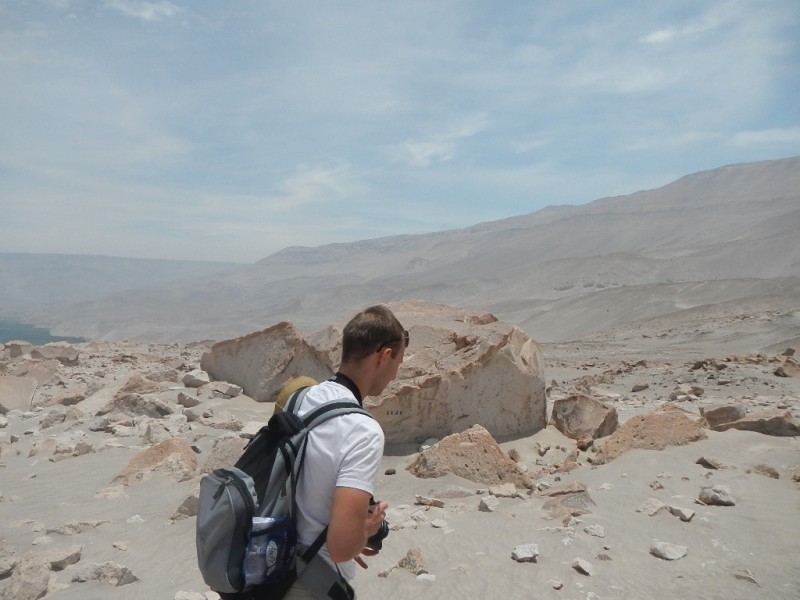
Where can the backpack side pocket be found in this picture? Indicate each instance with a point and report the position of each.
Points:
(224, 517)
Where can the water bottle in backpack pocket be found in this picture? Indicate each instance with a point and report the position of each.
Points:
(270, 551)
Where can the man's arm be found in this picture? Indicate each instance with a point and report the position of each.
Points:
(352, 523)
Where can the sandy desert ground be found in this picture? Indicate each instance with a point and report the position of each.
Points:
(78, 507)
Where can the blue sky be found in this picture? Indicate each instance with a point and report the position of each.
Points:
(228, 130)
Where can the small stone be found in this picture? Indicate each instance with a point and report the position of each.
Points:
(765, 470)
(489, 504)
(718, 495)
(506, 490)
(651, 507)
(187, 400)
(425, 501)
(390, 472)
(667, 551)
(640, 387)
(108, 572)
(555, 584)
(710, 462)
(684, 514)
(439, 524)
(595, 530)
(525, 553)
(584, 567)
(429, 443)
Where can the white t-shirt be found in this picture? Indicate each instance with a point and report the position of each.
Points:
(345, 451)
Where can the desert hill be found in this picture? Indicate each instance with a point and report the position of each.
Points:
(561, 273)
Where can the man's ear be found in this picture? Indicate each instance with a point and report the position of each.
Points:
(384, 355)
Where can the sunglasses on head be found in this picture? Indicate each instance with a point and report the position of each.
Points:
(387, 343)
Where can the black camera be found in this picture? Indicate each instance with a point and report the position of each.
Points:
(376, 541)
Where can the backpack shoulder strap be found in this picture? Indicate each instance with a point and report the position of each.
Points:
(322, 413)
(330, 410)
(294, 401)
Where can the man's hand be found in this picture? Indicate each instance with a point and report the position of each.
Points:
(375, 517)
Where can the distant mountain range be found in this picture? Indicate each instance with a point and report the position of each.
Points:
(738, 223)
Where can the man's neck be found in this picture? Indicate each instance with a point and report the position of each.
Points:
(347, 381)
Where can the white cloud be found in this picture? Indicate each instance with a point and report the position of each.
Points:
(146, 11)
(712, 19)
(672, 140)
(788, 135)
(525, 146)
(314, 185)
(440, 147)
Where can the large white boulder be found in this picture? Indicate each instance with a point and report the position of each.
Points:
(462, 369)
(262, 362)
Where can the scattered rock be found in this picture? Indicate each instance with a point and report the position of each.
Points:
(8, 559)
(29, 581)
(653, 431)
(567, 500)
(425, 501)
(473, 455)
(174, 457)
(60, 558)
(195, 378)
(719, 414)
(595, 530)
(652, 507)
(579, 414)
(684, 514)
(187, 400)
(525, 553)
(584, 567)
(489, 504)
(107, 572)
(718, 495)
(63, 352)
(769, 422)
(188, 508)
(16, 393)
(412, 562)
(70, 445)
(77, 527)
(710, 462)
(667, 551)
(223, 389)
(765, 470)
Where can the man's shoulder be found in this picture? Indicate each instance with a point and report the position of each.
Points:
(327, 391)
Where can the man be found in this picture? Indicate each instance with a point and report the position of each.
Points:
(344, 454)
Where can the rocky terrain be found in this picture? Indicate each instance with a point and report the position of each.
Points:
(612, 411)
(670, 468)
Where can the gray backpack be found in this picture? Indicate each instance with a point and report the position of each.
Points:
(247, 515)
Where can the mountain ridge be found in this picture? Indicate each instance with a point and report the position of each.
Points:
(736, 222)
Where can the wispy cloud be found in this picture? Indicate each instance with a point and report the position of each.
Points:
(788, 135)
(440, 147)
(146, 11)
